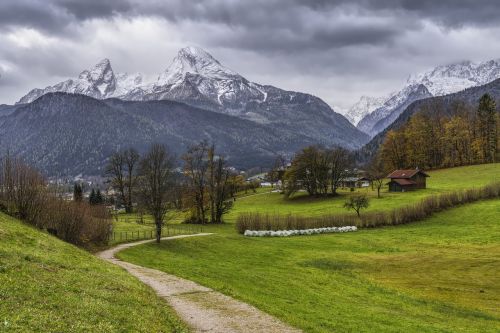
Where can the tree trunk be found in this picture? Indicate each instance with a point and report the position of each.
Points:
(158, 231)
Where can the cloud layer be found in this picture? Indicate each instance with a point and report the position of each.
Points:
(337, 50)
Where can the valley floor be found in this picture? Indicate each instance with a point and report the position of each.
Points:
(439, 275)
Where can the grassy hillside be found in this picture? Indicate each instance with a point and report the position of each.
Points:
(47, 285)
(439, 181)
(440, 275)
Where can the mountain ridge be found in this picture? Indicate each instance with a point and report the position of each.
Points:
(439, 81)
(446, 104)
(196, 78)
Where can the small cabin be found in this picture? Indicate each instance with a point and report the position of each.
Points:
(407, 180)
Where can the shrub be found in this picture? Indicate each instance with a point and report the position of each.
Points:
(78, 223)
(402, 215)
(24, 194)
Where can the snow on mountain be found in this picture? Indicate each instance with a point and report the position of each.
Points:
(363, 107)
(383, 116)
(199, 79)
(196, 78)
(444, 80)
(99, 82)
(441, 80)
(194, 60)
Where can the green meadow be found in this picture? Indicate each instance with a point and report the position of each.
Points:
(47, 285)
(438, 275)
(440, 181)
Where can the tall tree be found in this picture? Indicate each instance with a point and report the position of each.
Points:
(116, 170)
(277, 172)
(394, 150)
(156, 180)
(195, 168)
(377, 173)
(218, 186)
(488, 127)
(122, 170)
(131, 158)
(340, 161)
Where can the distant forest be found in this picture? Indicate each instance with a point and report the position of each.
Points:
(432, 139)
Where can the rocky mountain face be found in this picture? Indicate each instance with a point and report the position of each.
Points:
(98, 82)
(69, 134)
(197, 79)
(363, 107)
(383, 116)
(439, 81)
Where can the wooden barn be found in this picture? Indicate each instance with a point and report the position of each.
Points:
(407, 180)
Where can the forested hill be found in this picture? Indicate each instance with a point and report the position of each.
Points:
(68, 134)
(465, 101)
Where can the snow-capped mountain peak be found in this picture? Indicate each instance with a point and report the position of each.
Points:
(447, 79)
(102, 70)
(194, 60)
(100, 80)
(439, 81)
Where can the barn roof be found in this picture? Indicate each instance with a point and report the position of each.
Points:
(405, 174)
(403, 181)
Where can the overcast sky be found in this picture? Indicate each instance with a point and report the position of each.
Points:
(337, 50)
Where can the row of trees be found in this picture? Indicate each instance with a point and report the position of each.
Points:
(318, 170)
(204, 186)
(433, 140)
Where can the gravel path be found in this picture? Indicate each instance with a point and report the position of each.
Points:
(203, 309)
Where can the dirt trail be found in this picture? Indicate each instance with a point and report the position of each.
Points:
(203, 309)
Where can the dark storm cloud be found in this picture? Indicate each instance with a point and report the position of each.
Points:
(55, 15)
(326, 47)
(310, 24)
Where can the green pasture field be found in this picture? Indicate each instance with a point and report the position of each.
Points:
(47, 285)
(438, 275)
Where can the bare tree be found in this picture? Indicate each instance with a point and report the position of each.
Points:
(115, 170)
(23, 189)
(377, 174)
(218, 185)
(195, 168)
(122, 170)
(156, 180)
(339, 161)
(276, 174)
(131, 158)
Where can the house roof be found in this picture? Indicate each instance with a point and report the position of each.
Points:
(405, 174)
(403, 181)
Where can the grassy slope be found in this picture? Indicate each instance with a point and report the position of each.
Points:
(47, 285)
(440, 181)
(423, 277)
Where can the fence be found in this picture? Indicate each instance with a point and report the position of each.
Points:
(169, 230)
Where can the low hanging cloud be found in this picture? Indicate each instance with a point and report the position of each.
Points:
(337, 50)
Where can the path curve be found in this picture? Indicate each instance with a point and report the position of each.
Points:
(202, 308)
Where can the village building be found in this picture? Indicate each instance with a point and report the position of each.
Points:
(407, 180)
(355, 182)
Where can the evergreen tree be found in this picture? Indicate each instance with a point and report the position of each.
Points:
(77, 192)
(99, 200)
(92, 197)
